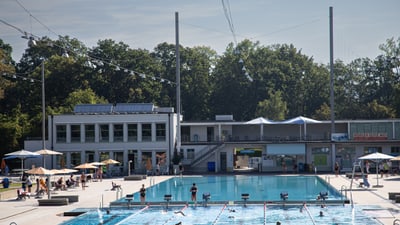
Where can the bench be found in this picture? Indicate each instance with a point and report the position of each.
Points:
(397, 198)
(53, 202)
(392, 195)
(71, 198)
(135, 177)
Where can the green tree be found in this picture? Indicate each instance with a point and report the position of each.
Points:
(273, 108)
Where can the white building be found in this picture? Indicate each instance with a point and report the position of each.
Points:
(141, 136)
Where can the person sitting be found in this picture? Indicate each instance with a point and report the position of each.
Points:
(60, 184)
(115, 186)
(71, 182)
(42, 189)
(21, 194)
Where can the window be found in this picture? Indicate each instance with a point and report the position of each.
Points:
(89, 133)
(369, 150)
(75, 133)
(160, 132)
(89, 156)
(104, 133)
(132, 132)
(61, 133)
(75, 159)
(190, 153)
(146, 132)
(395, 150)
(118, 132)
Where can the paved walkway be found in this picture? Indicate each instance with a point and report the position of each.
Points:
(98, 193)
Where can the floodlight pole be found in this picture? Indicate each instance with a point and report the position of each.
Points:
(332, 94)
(43, 114)
(178, 84)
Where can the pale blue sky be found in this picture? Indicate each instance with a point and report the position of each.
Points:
(359, 25)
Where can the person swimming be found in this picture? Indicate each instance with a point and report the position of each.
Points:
(180, 212)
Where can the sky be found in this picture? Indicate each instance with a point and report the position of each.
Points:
(360, 26)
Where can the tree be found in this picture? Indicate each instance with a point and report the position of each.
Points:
(273, 108)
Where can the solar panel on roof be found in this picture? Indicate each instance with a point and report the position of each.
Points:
(134, 108)
(93, 108)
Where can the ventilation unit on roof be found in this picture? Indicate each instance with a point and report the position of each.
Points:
(224, 117)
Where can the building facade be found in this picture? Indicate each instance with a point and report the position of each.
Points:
(143, 137)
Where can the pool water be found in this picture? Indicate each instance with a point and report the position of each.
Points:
(225, 214)
(231, 188)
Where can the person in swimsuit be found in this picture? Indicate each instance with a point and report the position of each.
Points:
(142, 192)
(193, 190)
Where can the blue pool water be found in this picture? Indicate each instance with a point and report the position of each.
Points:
(228, 189)
(231, 188)
(225, 214)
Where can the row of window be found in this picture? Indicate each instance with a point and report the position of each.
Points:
(110, 132)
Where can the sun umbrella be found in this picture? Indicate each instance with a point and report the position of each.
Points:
(22, 154)
(110, 161)
(396, 159)
(377, 157)
(97, 163)
(64, 171)
(47, 152)
(40, 171)
(86, 166)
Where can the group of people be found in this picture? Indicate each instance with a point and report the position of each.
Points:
(193, 191)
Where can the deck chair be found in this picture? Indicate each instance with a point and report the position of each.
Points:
(115, 186)
(22, 195)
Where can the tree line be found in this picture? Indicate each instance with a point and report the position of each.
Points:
(248, 80)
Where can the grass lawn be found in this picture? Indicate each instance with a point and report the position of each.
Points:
(12, 186)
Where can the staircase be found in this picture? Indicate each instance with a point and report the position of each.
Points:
(205, 153)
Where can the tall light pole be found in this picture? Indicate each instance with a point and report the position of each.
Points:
(178, 84)
(43, 111)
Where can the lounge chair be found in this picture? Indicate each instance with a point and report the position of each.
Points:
(22, 195)
(115, 186)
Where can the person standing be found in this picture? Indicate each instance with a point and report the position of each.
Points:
(23, 182)
(337, 167)
(142, 193)
(180, 169)
(83, 180)
(193, 190)
(367, 166)
(29, 184)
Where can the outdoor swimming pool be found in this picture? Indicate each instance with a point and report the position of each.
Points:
(228, 208)
(230, 188)
(225, 214)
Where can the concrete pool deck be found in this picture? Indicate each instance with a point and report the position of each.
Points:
(24, 212)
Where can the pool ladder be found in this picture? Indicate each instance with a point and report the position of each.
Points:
(328, 179)
(152, 181)
(343, 189)
(118, 193)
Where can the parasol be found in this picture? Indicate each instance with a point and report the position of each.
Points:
(40, 171)
(377, 157)
(22, 154)
(110, 161)
(47, 152)
(86, 166)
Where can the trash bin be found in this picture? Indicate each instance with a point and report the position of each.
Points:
(5, 182)
(301, 167)
(211, 166)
